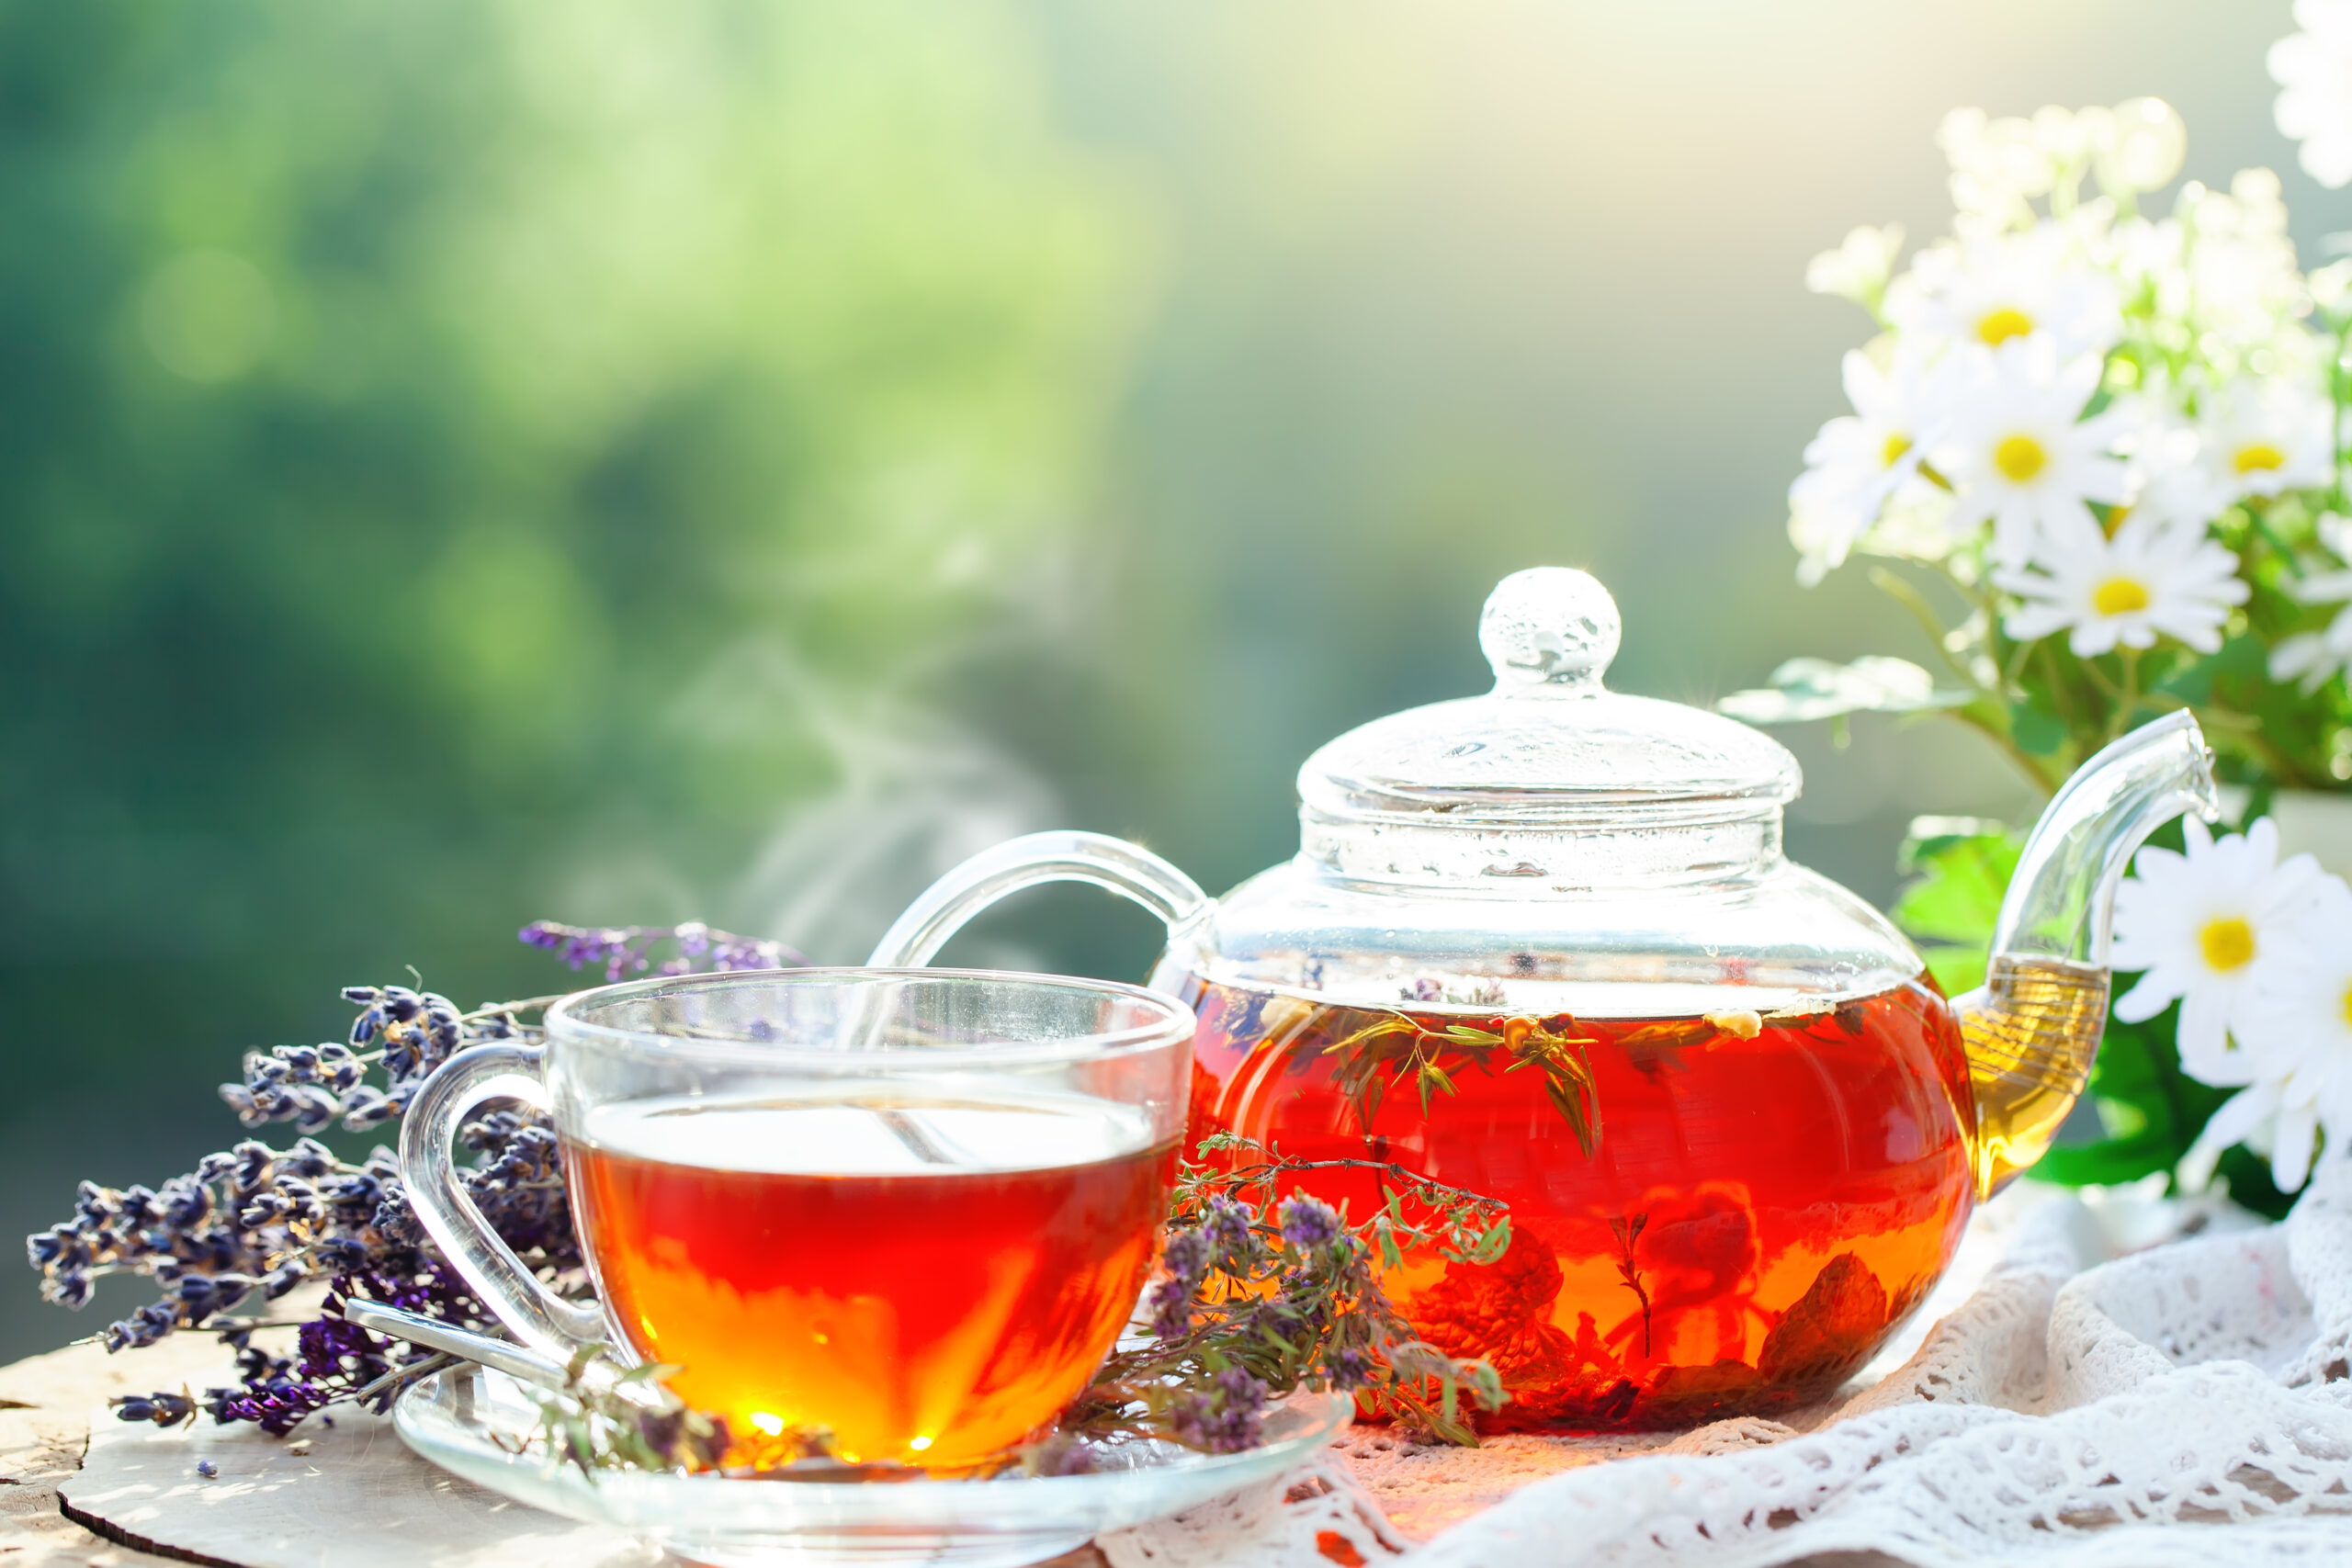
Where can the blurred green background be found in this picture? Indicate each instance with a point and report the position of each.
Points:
(473, 460)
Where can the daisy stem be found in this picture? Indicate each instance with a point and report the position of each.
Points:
(2283, 769)
(2099, 678)
(1911, 599)
(2034, 768)
(2018, 654)
(1903, 594)
(2059, 695)
(2339, 382)
(2127, 701)
(2258, 515)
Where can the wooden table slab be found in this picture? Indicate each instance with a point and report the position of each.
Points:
(45, 1404)
(348, 1495)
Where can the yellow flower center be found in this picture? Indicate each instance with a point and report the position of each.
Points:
(2228, 942)
(2019, 457)
(2259, 457)
(2347, 1006)
(1998, 326)
(1892, 453)
(2119, 596)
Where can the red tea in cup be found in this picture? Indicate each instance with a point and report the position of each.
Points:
(928, 1279)
(910, 1209)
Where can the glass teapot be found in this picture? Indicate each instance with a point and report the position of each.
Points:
(1544, 944)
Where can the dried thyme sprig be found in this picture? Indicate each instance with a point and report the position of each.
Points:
(1260, 1298)
(1395, 1048)
(607, 1416)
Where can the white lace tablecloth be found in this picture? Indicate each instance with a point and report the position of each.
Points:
(2103, 1397)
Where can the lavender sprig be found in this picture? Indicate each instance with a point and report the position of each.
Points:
(623, 951)
(252, 1223)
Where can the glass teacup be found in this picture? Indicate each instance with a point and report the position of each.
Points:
(910, 1207)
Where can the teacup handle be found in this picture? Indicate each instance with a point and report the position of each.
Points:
(1113, 865)
(537, 1316)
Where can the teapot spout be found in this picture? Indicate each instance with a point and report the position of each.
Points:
(2032, 1028)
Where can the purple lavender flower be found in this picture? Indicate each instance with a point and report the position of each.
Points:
(1188, 1256)
(333, 1346)
(164, 1409)
(623, 951)
(1227, 1225)
(1172, 1309)
(1227, 1418)
(1309, 1223)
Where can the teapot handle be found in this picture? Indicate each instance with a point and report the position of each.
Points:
(1128, 870)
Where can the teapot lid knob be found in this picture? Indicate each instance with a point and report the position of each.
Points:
(1549, 631)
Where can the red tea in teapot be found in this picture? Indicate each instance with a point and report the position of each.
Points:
(1710, 1215)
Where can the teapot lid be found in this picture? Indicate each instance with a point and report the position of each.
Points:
(1549, 746)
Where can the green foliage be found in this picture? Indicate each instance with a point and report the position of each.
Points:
(1963, 868)
(2150, 1111)
(2038, 732)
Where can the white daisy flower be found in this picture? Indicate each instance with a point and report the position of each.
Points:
(2016, 452)
(2313, 68)
(1992, 289)
(1858, 269)
(2299, 1053)
(2316, 656)
(2150, 579)
(1997, 166)
(2212, 929)
(1861, 460)
(2282, 1113)
(2141, 145)
(2259, 437)
(2165, 481)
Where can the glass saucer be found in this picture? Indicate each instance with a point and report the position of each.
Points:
(469, 1421)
